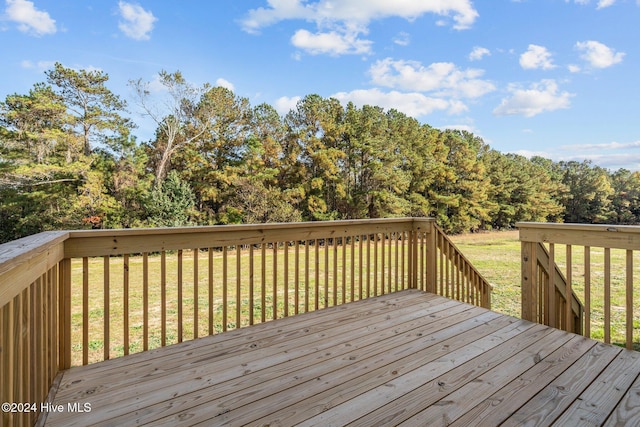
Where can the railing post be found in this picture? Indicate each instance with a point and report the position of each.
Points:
(431, 257)
(413, 257)
(415, 247)
(529, 279)
(486, 297)
(64, 315)
(7, 364)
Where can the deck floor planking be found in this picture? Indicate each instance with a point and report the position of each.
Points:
(408, 358)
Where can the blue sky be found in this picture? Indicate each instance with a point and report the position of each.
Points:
(558, 78)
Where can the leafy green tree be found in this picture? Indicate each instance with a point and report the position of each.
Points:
(68, 160)
(213, 161)
(314, 152)
(42, 164)
(553, 171)
(96, 111)
(365, 133)
(176, 111)
(588, 199)
(388, 178)
(425, 160)
(625, 200)
(255, 195)
(264, 154)
(36, 123)
(127, 181)
(461, 191)
(254, 203)
(52, 134)
(520, 190)
(172, 204)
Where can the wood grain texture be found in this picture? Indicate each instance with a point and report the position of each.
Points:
(408, 357)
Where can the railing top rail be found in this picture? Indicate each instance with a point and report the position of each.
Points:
(584, 227)
(24, 260)
(596, 235)
(116, 242)
(241, 227)
(18, 251)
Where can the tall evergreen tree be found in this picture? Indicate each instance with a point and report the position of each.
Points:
(588, 199)
(520, 190)
(314, 153)
(42, 164)
(625, 200)
(461, 192)
(96, 111)
(213, 161)
(172, 204)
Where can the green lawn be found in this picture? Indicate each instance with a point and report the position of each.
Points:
(324, 287)
(497, 256)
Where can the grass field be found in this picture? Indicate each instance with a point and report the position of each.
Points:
(496, 255)
(333, 278)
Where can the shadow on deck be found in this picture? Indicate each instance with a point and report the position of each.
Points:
(405, 358)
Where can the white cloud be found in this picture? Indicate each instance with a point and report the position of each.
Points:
(339, 24)
(614, 155)
(332, 43)
(574, 68)
(30, 19)
(539, 98)
(137, 23)
(412, 104)
(442, 78)
(529, 153)
(606, 146)
(285, 103)
(611, 161)
(478, 53)
(536, 57)
(40, 65)
(468, 128)
(605, 3)
(225, 83)
(402, 39)
(361, 12)
(601, 3)
(91, 68)
(599, 55)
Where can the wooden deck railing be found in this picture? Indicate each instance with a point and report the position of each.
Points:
(457, 278)
(598, 278)
(76, 297)
(32, 306)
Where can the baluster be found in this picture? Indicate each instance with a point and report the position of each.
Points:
(587, 291)
(607, 295)
(629, 299)
(85, 311)
(125, 303)
(107, 338)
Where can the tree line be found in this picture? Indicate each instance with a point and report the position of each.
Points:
(69, 159)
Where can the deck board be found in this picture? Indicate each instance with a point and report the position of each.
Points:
(407, 358)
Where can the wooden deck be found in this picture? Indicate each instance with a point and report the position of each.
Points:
(408, 358)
